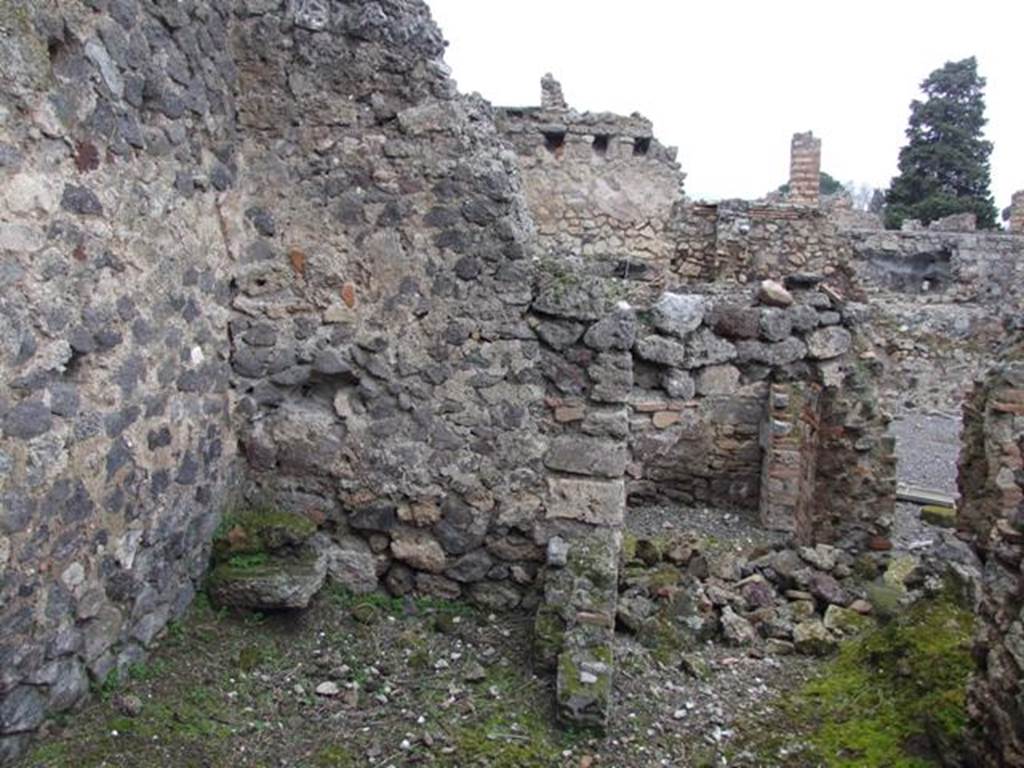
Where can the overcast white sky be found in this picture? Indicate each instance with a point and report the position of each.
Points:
(730, 82)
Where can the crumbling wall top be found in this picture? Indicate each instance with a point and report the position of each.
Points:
(1017, 213)
(557, 122)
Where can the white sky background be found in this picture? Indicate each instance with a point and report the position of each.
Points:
(730, 82)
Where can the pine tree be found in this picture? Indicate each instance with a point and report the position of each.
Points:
(944, 168)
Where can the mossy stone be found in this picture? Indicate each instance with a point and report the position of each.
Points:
(901, 571)
(279, 583)
(548, 636)
(261, 530)
(944, 517)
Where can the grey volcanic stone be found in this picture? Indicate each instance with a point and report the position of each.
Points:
(803, 318)
(617, 331)
(350, 565)
(598, 502)
(678, 314)
(21, 710)
(778, 354)
(827, 343)
(461, 528)
(280, 583)
(470, 567)
(81, 200)
(586, 300)
(718, 380)
(776, 324)
(27, 420)
(380, 517)
(331, 362)
(560, 334)
(827, 590)
(586, 456)
(313, 15)
(679, 384)
(705, 348)
(612, 376)
(658, 349)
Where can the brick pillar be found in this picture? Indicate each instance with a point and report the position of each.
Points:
(1017, 213)
(805, 169)
(551, 96)
(789, 438)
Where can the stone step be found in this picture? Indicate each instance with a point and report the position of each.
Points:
(928, 496)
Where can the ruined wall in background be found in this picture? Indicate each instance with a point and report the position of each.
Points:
(1016, 222)
(741, 241)
(991, 480)
(384, 367)
(683, 380)
(982, 268)
(116, 144)
(599, 187)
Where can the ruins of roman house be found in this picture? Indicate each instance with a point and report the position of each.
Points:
(270, 253)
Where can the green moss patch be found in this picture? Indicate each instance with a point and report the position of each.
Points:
(510, 730)
(944, 517)
(259, 566)
(258, 530)
(894, 697)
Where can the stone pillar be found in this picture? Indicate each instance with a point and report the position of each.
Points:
(551, 94)
(805, 170)
(1017, 213)
(584, 512)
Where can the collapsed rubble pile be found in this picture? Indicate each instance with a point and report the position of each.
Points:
(780, 601)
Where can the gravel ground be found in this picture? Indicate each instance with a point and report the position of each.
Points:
(927, 446)
(738, 528)
(418, 684)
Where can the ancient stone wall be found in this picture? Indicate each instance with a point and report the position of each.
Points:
(1017, 213)
(742, 241)
(981, 268)
(599, 186)
(703, 399)
(605, 194)
(383, 365)
(991, 480)
(684, 382)
(269, 253)
(116, 144)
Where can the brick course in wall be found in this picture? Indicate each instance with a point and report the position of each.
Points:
(805, 170)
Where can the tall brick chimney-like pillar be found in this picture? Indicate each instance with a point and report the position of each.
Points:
(805, 170)
(1017, 213)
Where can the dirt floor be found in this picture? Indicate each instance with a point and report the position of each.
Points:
(376, 681)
